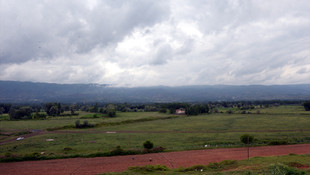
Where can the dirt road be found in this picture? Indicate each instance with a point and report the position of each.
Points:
(121, 163)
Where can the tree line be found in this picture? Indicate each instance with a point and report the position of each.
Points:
(41, 111)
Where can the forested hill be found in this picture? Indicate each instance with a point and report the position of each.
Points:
(25, 92)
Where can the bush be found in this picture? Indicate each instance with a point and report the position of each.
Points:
(193, 168)
(226, 164)
(295, 164)
(154, 150)
(84, 125)
(67, 149)
(197, 109)
(149, 168)
(117, 151)
(278, 142)
(77, 124)
(163, 110)
(8, 155)
(283, 169)
(111, 113)
(39, 116)
(229, 112)
(247, 139)
(157, 149)
(214, 165)
(148, 144)
(21, 113)
(307, 106)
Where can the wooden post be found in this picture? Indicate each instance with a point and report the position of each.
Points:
(248, 148)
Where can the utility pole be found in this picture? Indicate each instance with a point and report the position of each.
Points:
(248, 148)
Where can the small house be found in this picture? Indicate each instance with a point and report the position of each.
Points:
(180, 111)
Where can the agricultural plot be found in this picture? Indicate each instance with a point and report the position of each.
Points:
(129, 130)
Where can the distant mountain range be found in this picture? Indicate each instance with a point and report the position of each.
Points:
(29, 92)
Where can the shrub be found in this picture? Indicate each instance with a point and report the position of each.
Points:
(307, 106)
(67, 149)
(153, 150)
(149, 168)
(163, 110)
(283, 169)
(148, 144)
(193, 168)
(226, 164)
(278, 142)
(84, 125)
(33, 156)
(77, 124)
(8, 154)
(39, 116)
(247, 139)
(111, 113)
(117, 151)
(295, 164)
(214, 165)
(229, 162)
(158, 149)
(229, 112)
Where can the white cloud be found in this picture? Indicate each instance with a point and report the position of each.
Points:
(144, 43)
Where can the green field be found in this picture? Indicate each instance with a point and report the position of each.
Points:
(53, 122)
(279, 165)
(131, 129)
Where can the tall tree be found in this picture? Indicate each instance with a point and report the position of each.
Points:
(307, 106)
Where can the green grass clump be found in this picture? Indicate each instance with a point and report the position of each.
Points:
(149, 168)
(280, 169)
(214, 166)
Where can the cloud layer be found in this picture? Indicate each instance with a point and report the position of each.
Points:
(146, 43)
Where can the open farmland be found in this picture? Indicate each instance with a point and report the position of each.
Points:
(130, 129)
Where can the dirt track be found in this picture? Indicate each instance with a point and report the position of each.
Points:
(121, 163)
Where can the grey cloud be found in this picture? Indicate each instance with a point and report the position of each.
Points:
(45, 29)
(142, 42)
(163, 54)
(302, 71)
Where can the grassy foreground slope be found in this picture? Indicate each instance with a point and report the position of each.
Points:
(276, 165)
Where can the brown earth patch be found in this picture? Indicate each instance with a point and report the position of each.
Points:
(121, 163)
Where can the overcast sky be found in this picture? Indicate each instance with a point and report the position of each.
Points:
(156, 42)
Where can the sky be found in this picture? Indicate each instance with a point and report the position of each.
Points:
(156, 42)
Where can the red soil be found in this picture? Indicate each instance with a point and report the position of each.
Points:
(121, 163)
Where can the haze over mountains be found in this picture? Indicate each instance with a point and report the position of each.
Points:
(29, 92)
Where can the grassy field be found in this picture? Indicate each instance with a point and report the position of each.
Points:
(274, 110)
(279, 165)
(222, 122)
(176, 133)
(52, 122)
